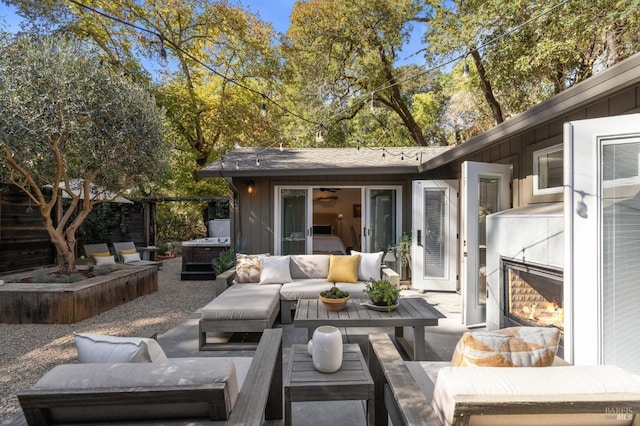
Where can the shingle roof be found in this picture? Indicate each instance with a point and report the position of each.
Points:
(327, 161)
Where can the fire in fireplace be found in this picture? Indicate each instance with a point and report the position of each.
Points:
(533, 295)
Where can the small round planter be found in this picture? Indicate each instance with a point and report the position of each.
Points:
(334, 304)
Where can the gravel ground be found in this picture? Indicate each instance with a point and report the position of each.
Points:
(28, 351)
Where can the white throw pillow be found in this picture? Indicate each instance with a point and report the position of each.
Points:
(104, 260)
(128, 258)
(98, 348)
(370, 264)
(275, 270)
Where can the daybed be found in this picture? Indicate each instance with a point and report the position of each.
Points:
(177, 390)
(249, 297)
(424, 393)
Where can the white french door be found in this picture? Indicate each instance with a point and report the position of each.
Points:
(434, 235)
(485, 190)
(602, 241)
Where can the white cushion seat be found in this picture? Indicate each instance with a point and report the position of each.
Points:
(244, 302)
(175, 372)
(592, 379)
(310, 289)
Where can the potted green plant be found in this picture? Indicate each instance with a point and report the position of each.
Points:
(334, 299)
(403, 254)
(383, 293)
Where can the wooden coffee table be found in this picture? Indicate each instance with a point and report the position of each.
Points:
(302, 382)
(411, 312)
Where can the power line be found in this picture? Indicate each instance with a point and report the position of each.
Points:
(164, 39)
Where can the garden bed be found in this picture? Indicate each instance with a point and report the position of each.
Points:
(67, 303)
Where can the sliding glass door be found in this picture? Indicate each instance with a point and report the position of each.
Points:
(292, 226)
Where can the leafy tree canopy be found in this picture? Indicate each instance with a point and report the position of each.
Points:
(68, 120)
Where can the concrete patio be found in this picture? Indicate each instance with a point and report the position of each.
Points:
(182, 341)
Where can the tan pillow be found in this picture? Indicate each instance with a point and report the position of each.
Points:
(248, 267)
(343, 269)
(509, 347)
(101, 254)
(127, 251)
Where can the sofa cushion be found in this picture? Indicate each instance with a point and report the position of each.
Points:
(248, 267)
(370, 264)
(311, 288)
(98, 348)
(343, 268)
(175, 372)
(275, 270)
(454, 381)
(508, 347)
(305, 266)
(244, 302)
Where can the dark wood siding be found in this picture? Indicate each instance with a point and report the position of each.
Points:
(24, 242)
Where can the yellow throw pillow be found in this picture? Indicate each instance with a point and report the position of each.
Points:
(101, 254)
(343, 269)
(509, 347)
(128, 251)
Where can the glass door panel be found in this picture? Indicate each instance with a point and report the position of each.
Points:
(381, 224)
(293, 221)
(621, 264)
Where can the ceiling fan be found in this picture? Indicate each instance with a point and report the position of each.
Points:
(332, 190)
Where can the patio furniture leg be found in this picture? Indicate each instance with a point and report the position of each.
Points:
(416, 349)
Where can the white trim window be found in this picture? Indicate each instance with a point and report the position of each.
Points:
(548, 170)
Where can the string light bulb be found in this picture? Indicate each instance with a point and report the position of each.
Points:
(163, 54)
(222, 161)
(281, 147)
(258, 161)
(384, 155)
(373, 108)
(237, 165)
(320, 134)
(263, 106)
(465, 68)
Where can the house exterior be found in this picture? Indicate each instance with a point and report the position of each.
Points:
(529, 220)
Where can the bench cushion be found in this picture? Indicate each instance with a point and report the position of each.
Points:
(311, 288)
(175, 372)
(244, 302)
(454, 381)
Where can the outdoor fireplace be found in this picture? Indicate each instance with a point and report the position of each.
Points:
(533, 295)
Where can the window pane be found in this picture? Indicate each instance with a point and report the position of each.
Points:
(434, 222)
(621, 262)
(550, 170)
(294, 213)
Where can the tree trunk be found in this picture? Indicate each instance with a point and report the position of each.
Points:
(487, 90)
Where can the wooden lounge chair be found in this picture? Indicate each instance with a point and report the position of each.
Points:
(130, 247)
(401, 397)
(260, 398)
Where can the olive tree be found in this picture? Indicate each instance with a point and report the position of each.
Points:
(70, 122)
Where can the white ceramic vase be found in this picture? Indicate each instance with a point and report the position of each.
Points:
(326, 349)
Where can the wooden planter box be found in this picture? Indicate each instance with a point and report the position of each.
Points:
(53, 303)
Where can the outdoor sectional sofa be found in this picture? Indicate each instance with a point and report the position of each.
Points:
(197, 390)
(254, 306)
(434, 393)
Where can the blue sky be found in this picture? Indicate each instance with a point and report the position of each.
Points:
(275, 11)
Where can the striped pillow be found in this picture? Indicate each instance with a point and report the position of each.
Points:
(509, 347)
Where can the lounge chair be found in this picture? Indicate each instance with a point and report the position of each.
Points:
(129, 248)
(401, 394)
(96, 250)
(260, 396)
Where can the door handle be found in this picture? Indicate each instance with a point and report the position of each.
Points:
(419, 238)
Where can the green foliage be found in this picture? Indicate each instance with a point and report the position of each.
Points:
(334, 293)
(403, 250)
(67, 117)
(382, 292)
(225, 261)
